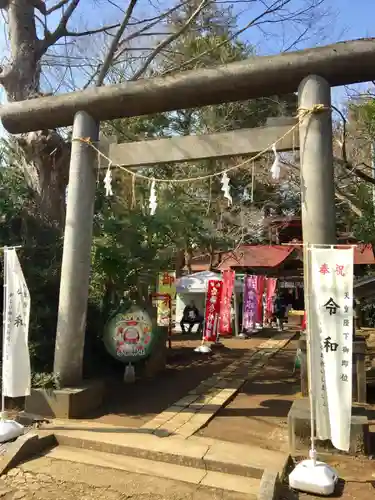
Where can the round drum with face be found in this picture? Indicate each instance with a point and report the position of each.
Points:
(128, 335)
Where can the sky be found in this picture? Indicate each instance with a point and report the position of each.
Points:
(347, 20)
(355, 19)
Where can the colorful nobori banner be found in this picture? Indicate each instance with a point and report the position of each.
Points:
(167, 287)
(331, 334)
(225, 322)
(250, 303)
(212, 313)
(270, 295)
(261, 282)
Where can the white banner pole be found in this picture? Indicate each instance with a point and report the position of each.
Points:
(5, 327)
(307, 258)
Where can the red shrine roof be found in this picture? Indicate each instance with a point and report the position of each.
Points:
(363, 254)
(273, 255)
(256, 256)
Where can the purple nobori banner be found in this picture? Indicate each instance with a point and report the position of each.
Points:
(250, 302)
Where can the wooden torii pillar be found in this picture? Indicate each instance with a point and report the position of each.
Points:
(339, 64)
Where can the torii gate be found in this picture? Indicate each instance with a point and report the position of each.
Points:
(338, 64)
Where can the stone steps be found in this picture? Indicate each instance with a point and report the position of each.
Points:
(168, 445)
(197, 476)
(196, 452)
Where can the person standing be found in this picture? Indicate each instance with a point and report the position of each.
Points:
(279, 311)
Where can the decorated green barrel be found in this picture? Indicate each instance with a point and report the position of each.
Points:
(129, 336)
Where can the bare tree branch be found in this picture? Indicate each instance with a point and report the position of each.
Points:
(114, 44)
(57, 6)
(103, 29)
(340, 195)
(270, 10)
(169, 40)
(40, 5)
(61, 30)
(144, 30)
(356, 171)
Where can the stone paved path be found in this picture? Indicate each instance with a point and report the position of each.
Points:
(133, 405)
(258, 414)
(189, 414)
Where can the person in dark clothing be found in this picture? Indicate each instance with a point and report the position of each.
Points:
(191, 317)
(279, 308)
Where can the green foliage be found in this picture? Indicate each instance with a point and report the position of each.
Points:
(45, 381)
(40, 258)
(364, 114)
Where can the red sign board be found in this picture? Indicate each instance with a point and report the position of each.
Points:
(212, 312)
(225, 323)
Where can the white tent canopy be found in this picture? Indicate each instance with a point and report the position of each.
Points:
(197, 282)
(195, 286)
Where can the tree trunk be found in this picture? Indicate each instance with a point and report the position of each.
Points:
(46, 169)
(180, 263)
(43, 155)
(212, 258)
(188, 260)
(21, 78)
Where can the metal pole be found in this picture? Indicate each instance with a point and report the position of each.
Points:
(5, 327)
(317, 192)
(307, 269)
(75, 269)
(235, 305)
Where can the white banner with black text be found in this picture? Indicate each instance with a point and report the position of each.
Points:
(330, 319)
(16, 357)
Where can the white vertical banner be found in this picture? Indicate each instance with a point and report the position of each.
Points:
(330, 318)
(16, 371)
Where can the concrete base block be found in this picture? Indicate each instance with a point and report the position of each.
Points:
(299, 431)
(74, 402)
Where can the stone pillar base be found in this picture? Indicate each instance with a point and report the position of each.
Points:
(299, 431)
(71, 402)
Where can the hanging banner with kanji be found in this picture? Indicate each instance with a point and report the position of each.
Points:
(330, 324)
(271, 291)
(167, 287)
(212, 312)
(250, 303)
(16, 371)
(225, 323)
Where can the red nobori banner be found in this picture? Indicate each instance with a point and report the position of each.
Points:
(261, 281)
(212, 312)
(225, 322)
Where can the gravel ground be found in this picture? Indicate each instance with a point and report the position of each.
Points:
(48, 479)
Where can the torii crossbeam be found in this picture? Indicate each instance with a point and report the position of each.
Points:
(340, 64)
